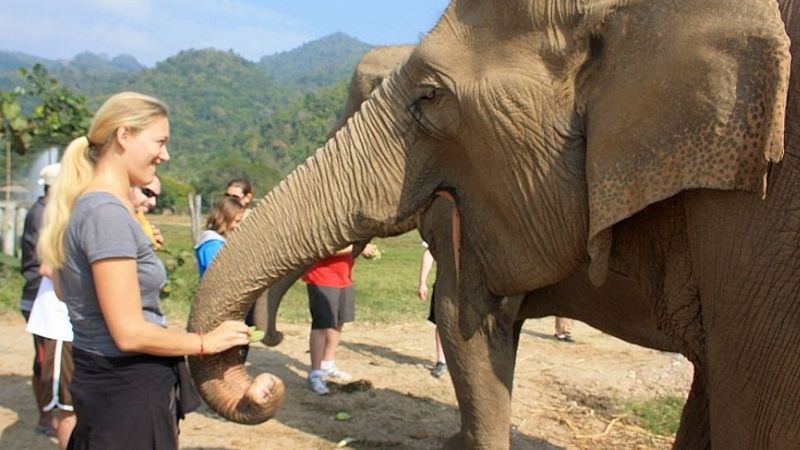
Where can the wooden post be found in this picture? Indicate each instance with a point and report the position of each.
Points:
(198, 207)
(2, 220)
(9, 234)
(192, 215)
(21, 212)
(196, 212)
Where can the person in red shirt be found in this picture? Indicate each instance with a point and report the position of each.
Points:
(331, 301)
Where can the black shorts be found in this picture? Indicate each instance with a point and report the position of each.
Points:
(330, 306)
(57, 381)
(432, 310)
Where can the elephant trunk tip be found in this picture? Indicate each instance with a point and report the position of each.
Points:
(261, 400)
(231, 392)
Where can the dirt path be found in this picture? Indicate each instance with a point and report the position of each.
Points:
(563, 394)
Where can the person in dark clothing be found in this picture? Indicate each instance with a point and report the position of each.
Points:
(30, 272)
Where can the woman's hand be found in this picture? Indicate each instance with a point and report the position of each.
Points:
(422, 291)
(226, 335)
(157, 237)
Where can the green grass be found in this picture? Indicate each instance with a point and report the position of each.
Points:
(11, 282)
(660, 415)
(385, 288)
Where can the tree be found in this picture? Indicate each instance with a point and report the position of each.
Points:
(54, 116)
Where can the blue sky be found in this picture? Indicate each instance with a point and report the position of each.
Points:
(152, 30)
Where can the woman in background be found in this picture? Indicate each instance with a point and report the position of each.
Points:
(223, 218)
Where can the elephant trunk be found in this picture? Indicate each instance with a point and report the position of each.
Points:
(349, 191)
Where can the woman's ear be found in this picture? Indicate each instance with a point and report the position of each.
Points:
(680, 95)
(122, 136)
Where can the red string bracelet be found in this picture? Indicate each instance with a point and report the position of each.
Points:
(202, 349)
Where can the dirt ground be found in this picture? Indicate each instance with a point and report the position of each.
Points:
(564, 394)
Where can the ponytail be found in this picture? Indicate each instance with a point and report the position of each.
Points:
(77, 168)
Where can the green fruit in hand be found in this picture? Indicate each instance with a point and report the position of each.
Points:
(256, 334)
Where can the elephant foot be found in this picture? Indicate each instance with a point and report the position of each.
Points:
(272, 339)
(461, 441)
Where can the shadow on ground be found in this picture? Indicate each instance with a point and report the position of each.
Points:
(378, 418)
(16, 397)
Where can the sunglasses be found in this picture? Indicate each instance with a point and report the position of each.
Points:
(149, 193)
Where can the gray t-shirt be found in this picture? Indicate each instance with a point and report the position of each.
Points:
(101, 227)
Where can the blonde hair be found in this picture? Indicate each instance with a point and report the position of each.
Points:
(126, 109)
(221, 217)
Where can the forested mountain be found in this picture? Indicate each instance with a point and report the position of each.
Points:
(88, 73)
(11, 61)
(316, 64)
(229, 116)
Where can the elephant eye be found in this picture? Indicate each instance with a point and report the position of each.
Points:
(427, 102)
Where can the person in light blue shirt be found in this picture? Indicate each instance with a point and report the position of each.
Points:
(223, 218)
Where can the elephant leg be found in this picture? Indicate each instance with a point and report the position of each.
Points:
(266, 307)
(482, 369)
(693, 431)
(748, 267)
(479, 333)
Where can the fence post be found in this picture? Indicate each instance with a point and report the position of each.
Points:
(198, 207)
(195, 210)
(21, 213)
(9, 234)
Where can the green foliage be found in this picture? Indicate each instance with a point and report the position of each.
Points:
(316, 64)
(217, 102)
(182, 277)
(11, 283)
(57, 118)
(660, 415)
(174, 195)
(297, 130)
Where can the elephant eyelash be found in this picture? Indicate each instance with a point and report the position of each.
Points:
(415, 111)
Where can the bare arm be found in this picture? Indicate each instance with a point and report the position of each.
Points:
(424, 270)
(345, 251)
(118, 294)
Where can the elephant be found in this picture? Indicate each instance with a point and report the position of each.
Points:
(648, 143)
(574, 297)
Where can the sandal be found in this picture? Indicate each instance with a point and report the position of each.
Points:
(46, 430)
(564, 338)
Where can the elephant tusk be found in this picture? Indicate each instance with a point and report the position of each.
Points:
(456, 223)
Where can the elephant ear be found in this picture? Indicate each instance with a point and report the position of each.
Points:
(680, 95)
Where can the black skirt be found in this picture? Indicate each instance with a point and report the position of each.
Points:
(127, 402)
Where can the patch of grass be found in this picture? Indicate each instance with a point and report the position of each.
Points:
(11, 283)
(660, 415)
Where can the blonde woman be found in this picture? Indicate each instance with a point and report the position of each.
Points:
(126, 361)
